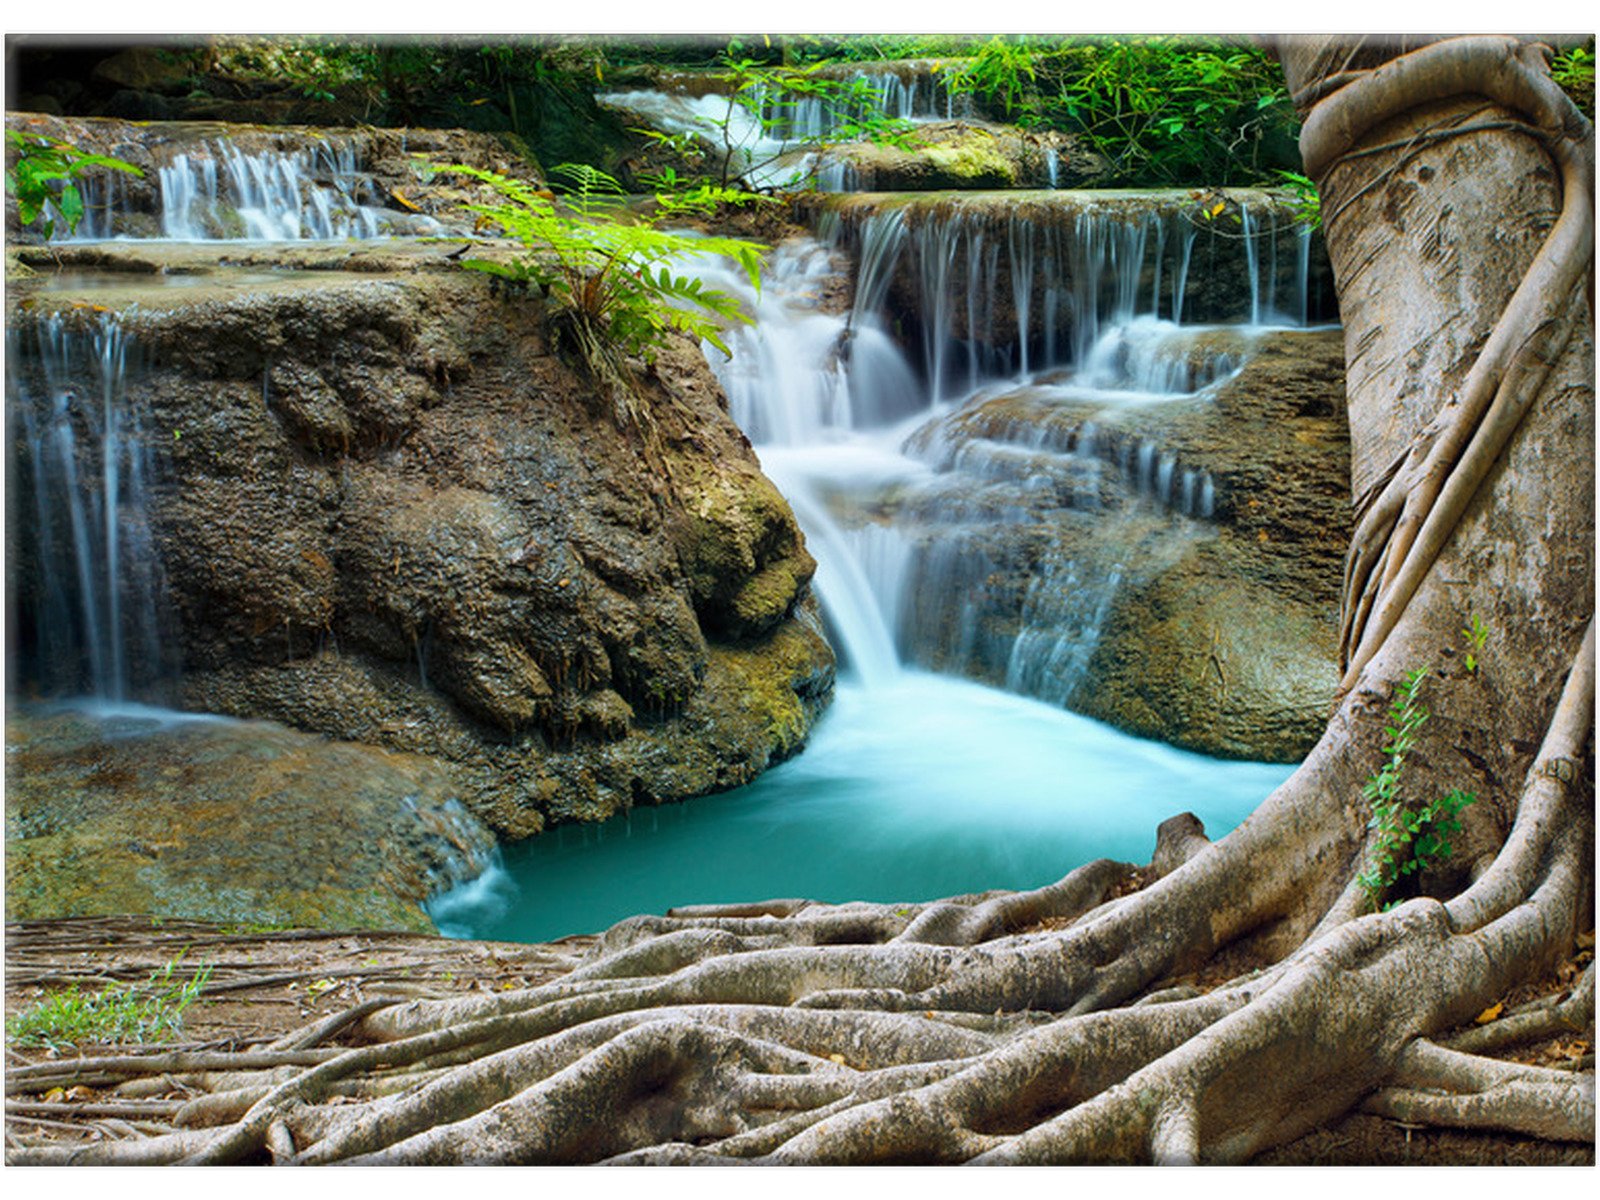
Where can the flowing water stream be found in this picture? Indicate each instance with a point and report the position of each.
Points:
(916, 784)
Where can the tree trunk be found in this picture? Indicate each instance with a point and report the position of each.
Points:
(1455, 182)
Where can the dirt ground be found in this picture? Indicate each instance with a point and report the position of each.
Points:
(266, 984)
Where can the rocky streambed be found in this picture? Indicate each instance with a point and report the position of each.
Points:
(348, 489)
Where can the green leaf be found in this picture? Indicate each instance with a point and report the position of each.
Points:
(70, 204)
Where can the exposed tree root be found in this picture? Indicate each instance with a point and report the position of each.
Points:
(721, 1058)
(1543, 1018)
(1436, 1086)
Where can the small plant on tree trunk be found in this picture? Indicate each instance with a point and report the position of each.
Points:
(1406, 837)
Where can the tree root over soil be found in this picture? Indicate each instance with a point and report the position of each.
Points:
(950, 1032)
(1066, 1024)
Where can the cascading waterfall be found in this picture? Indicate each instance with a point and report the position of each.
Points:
(829, 435)
(1096, 292)
(217, 191)
(915, 784)
(917, 93)
(766, 136)
(1074, 276)
(80, 452)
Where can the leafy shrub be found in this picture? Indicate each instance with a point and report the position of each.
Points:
(1002, 72)
(1160, 111)
(614, 283)
(1305, 200)
(43, 174)
(1574, 71)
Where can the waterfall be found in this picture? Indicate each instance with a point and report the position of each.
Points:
(1021, 242)
(215, 191)
(768, 137)
(977, 528)
(791, 392)
(1031, 288)
(920, 97)
(1062, 616)
(1252, 255)
(900, 512)
(87, 609)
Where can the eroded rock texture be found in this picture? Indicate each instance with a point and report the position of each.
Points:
(388, 513)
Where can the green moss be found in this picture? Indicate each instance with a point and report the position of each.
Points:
(769, 682)
(973, 158)
(738, 545)
(764, 600)
(68, 874)
(950, 158)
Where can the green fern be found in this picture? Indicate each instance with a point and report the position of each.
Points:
(616, 284)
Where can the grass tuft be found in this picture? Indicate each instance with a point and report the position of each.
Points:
(124, 1013)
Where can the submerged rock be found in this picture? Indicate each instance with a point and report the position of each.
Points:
(148, 811)
(388, 512)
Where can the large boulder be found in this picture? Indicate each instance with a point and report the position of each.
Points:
(143, 69)
(388, 512)
(247, 822)
(1170, 566)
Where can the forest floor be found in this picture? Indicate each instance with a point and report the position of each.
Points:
(265, 984)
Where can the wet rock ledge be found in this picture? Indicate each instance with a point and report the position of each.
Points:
(388, 513)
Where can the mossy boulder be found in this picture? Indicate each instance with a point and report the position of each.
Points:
(249, 822)
(390, 513)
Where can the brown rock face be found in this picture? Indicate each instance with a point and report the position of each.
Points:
(1215, 631)
(388, 513)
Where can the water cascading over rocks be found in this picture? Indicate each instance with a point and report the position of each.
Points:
(1048, 453)
(920, 515)
(380, 522)
(756, 131)
(86, 584)
(210, 181)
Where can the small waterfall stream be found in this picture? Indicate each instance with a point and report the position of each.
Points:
(79, 454)
(766, 135)
(214, 190)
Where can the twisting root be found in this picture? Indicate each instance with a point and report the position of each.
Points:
(1436, 1086)
(1406, 524)
(1547, 1017)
